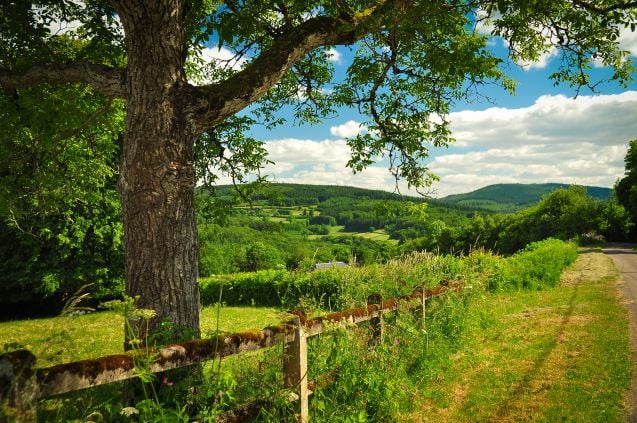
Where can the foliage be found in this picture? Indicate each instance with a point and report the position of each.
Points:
(564, 214)
(507, 198)
(614, 222)
(59, 210)
(371, 383)
(535, 267)
(626, 187)
(411, 62)
(539, 264)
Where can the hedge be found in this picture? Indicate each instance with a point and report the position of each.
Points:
(537, 266)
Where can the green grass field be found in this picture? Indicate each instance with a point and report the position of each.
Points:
(560, 354)
(377, 235)
(64, 339)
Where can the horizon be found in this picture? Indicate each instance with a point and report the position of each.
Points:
(428, 196)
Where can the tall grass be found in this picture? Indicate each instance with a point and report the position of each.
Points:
(375, 383)
(537, 266)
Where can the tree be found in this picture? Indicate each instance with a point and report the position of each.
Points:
(626, 188)
(260, 256)
(60, 221)
(564, 214)
(413, 59)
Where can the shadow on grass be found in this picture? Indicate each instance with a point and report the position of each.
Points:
(539, 363)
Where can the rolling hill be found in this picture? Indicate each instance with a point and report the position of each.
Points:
(512, 197)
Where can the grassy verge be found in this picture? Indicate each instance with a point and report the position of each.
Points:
(63, 339)
(560, 354)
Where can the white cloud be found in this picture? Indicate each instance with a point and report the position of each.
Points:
(293, 152)
(557, 139)
(349, 129)
(321, 162)
(334, 55)
(213, 58)
(601, 120)
(484, 22)
(222, 56)
(582, 163)
(542, 61)
(628, 40)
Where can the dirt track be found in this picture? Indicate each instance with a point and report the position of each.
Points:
(625, 258)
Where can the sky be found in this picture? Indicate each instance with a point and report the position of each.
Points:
(540, 134)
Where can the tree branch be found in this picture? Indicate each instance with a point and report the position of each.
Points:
(601, 10)
(107, 80)
(215, 102)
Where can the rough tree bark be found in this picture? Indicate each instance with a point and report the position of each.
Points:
(157, 175)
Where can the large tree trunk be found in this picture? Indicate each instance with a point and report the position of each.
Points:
(157, 174)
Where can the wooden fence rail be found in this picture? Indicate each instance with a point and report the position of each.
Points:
(21, 385)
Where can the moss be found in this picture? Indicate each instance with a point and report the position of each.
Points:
(89, 369)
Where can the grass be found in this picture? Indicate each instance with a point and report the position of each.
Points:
(377, 235)
(335, 230)
(560, 354)
(64, 339)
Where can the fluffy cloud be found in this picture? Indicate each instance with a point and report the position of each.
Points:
(542, 61)
(628, 41)
(222, 56)
(349, 129)
(334, 55)
(321, 162)
(600, 120)
(557, 139)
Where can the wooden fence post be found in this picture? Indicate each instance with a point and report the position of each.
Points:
(18, 388)
(376, 323)
(295, 368)
(423, 299)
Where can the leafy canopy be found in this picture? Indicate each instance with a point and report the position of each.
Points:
(412, 61)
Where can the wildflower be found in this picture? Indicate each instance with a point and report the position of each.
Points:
(166, 382)
(129, 411)
(144, 313)
(396, 342)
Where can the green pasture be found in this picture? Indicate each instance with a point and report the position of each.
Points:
(64, 339)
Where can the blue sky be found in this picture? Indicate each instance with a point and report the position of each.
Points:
(540, 134)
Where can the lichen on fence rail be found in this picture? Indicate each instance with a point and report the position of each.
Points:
(84, 374)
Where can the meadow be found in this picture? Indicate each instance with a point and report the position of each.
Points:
(523, 340)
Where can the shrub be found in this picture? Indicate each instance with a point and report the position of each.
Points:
(540, 264)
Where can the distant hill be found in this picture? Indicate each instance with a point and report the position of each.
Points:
(305, 194)
(312, 194)
(512, 197)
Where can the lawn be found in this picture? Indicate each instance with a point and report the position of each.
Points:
(560, 354)
(64, 339)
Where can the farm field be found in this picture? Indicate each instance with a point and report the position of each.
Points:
(64, 339)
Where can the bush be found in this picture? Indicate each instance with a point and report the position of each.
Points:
(537, 266)
(253, 288)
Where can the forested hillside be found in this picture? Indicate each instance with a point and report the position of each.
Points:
(513, 197)
(294, 226)
(289, 226)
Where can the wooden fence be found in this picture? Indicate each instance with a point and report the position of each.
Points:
(21, 385)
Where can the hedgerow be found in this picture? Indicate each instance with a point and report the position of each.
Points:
(537, 266)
